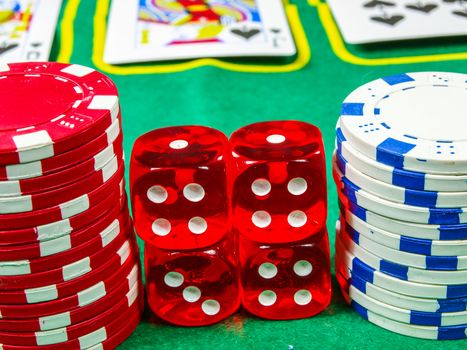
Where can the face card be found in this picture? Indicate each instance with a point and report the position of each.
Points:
(369, 21)
(27, 29)
(154, 30)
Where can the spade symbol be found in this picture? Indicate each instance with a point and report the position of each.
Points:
(392, 20)
(427, 8)
(460, 13)
(6, 48)
(276, 30)
(246, 33)
(376, 3)
(36, 44)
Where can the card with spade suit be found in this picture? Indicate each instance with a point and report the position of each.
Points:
(370, 21)
(156, 30)
(27, 29)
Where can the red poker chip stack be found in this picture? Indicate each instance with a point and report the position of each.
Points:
(69, 262)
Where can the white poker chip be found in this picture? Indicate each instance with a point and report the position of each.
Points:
(398, 177)
(405, 243)
(413, 121)
(402, 272)
(441, 263)
(428, 199)
(369, 271)
(398, 211)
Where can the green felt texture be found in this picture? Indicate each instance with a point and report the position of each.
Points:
(228, 100)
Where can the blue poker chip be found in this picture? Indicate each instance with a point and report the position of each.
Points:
(398, 177)
(403, 228)
(413, 121)
(428, 199)
(404, 243)
(446, 216)
(417, 304)
(452, 278)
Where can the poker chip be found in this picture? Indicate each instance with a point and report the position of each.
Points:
(61, 290)
(70, 275)
(61, 178)
(74, 316)
(430, 231)
(398, 300)
(76, 267)
(412, 121)
(401, 286)
(54, 341)
(398, 211)
(399, 194)
(448, 263)
(65, 226)
(95, 292)
(71, 332)
(62, 161)
(400, 167)
(396, 176)
(402, 242)
(77, 104)
(423, 332)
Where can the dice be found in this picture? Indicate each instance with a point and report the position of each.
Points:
(279, 209)
(179, 187)
(192, 288)
(181, 197)
(230, 222)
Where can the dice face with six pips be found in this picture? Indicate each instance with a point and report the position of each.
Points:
(279, 208)
(181, 204)
(225, 222)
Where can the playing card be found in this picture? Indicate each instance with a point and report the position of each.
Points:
(27, 29)
(368, 21)
(153, 30)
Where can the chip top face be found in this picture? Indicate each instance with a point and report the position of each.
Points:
(415, 121)
(48, 108)
(277, 140)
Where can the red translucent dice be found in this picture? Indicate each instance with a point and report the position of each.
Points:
(279, 208)
(181, 198)
(179, 187)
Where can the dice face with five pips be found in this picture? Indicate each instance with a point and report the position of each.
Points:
(184, 183)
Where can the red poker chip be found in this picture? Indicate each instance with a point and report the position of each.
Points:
(65, 266)
(96, 336)
(65, 177)
(62, 211)
(70, 332)
(74, 316)
(62, 244)
(65, 226)
(61, 290)
(42, 200)
(49, 108)
(118, 338)
(84, 296)
(64, 160)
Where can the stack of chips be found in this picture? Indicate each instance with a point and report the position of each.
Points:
(401, 171)
(69, 266)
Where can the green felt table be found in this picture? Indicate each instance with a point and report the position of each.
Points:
(228, 94)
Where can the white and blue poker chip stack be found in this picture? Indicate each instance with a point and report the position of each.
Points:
(400, 166)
